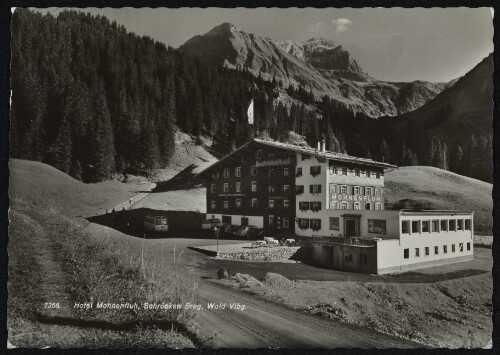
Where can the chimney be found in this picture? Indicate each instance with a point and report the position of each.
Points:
(319, 146)
(323, 145)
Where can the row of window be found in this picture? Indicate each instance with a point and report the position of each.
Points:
(355, 190)
(362, 257)
(270, 156)
(344, 205)
(435, 226)
(253, 172)
(335, 170)
(406, 252)
(270, 188)
(285, 220)
(254, 203)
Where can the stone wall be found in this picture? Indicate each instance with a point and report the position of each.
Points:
(268, 254)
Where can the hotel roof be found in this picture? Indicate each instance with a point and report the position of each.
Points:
(309, 151)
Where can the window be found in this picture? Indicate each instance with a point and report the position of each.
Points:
(461, 247)
(286, 172)
(237, 171)
(226, 187)
(212, 204)
(427, 251)
(259, 154)
(271, 173)
(425, 226)
(467, 224)
(344, 205)
(315, 206)
(363, 258)
(377, 226)
(226, 172)
(357, 205)
(271, 220)
(333, 188)
(315, 170)
(334, 170)
(286, 203)
(417, 252)
(444, 225)
(253, 171)
(299, 172)
(271, 203)
(435, 226)
(334, 223)
(405, 227)
(315, 189)
(238, 202)
(299, 189)
(406, 253)
(453, 248)
(343, 171)
(356, 172)
(445, 249)
(303, 223)
(368, 191)
(377, 191)
(315, 224)
(460, 224)
(303, 206)
(334, 205)
(286, 222)
(468, 246)
(286, 188)
(255, 203)
(436, 250)
(453, 225)
(368, 174)
(212, 188)
(254, 186)
(226, 204)
(343, 189)
(271, 189)
(238, 186)
(377, 174)
(415, 226)
(356, 190)
(378, 206)
(347, 256)
(368, 206)
(215, 175)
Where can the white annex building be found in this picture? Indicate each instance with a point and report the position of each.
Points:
(337, 201)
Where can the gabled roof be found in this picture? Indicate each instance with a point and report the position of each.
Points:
(309, 151)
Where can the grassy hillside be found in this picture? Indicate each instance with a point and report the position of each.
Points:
(54, 262)
(433, 188)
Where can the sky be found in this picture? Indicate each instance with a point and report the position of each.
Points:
(390, 44)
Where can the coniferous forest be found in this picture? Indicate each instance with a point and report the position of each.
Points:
(92, 100)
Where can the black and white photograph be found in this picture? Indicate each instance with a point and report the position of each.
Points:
(250, 178)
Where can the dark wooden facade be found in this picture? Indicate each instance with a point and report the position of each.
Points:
(263, 159)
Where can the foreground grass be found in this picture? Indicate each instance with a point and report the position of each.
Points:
(451, 314)
(52, 261)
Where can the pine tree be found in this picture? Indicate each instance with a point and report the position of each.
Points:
(385, 154)
(59, 153)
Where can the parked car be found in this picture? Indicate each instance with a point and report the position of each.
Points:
(156, 224)
(249, 232)
(271, 241)
(209, 224)
(258, 243)
(230, 229)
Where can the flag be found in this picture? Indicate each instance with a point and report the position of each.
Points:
(250, 112)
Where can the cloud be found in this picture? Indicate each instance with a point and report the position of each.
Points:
(341, 24)
(315, 27)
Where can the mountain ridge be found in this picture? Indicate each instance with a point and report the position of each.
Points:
(317, 64)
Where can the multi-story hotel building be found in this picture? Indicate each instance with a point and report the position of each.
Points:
(337, 200)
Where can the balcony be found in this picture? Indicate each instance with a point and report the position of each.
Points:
(359, 242)
(273, 162)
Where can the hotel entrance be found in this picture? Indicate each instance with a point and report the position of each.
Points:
(351, 226)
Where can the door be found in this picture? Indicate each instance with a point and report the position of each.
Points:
(351, 227)
(226, 219)
(244, 221)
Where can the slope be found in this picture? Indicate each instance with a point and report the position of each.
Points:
(433, 188)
